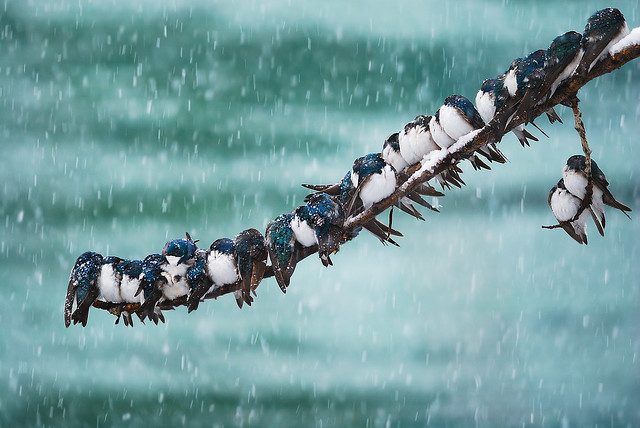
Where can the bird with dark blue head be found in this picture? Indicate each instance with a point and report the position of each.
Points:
(178, 256)
(252, 256)
(221, 267)
(320, 222)
(576, 181)
(604, 29)
(83, 287)
(152, 282)
(525, 73)
(458, 117)
(566, 208)
(491, 99)
(561, 60)
(283, 249)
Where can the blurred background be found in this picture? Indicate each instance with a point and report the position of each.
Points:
(126, 124)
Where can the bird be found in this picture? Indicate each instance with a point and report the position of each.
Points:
(252, 256)
(110, 279)
(391, 154)
(373, 178)
(320, 222)
(165, 274)
(222, 267)
(415, 140)
(561, 60)
(214, 270)
(458, 117)
(524, 73)
(565, 207)
(82, 289)
(604, 29)
(344, 191)
(130, 272)
(152, 282)
(105, 287)
(178, 255)
(575, 180)
(283, 249)
(490, 100)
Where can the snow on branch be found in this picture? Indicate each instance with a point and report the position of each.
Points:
(341, 222)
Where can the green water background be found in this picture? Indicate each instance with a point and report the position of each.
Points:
(123, 125)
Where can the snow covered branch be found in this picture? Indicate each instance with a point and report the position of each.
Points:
(409, 183)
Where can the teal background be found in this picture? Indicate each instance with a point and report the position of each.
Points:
(126, 124)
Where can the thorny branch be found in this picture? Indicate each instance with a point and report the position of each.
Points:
(566, 94)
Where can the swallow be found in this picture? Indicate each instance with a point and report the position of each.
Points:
(604, 29)
(565, 208)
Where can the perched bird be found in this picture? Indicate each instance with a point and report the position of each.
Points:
(490, 100)
(152, 282)
(320, 222)
(166, 275)
(130, 272)
(178, 255)
(106, 288)
(391, 153)
(522, 74)
(373, 178)
(575, 180)
(458, 117)
(415, 140)
(344, 190)
(561, 60)
(283, 249)
(110, 279)
(82, 289)
(252, 261)
(604, 29)
(214, 270)
(222, 267)
(565, 207)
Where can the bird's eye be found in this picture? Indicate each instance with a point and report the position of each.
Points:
(177, 278)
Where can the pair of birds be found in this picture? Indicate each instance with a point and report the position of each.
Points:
(181, 272)
(571, 205)
(315, 226)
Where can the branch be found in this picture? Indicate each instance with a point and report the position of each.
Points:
(441, 160)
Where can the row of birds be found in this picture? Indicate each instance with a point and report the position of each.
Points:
(183, 273)
(572, 203)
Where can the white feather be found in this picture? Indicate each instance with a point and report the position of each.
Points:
(394, 158)
(108, 284)
(128, 288)
(175, 273)
(304, 234)
(486, 105)
(624, 32)
(454, 123)
(438, 134)
(565, 206)
(576, 183)
(567, 72)
(511, 83)
(222, 269)
(378, 187)
(415, 143)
